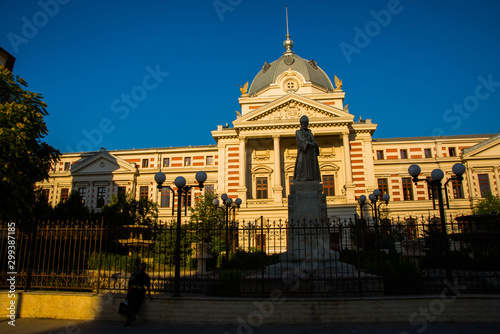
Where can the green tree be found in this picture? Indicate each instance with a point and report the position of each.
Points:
(24, 157)
(205, 218)
(72, 210)
(165, 245)
(488, 205)
(129, 211)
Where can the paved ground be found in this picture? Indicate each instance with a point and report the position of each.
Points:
(49, 326)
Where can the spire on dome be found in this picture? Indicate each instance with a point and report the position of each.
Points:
(288, 44)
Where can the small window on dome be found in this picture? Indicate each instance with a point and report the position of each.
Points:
(290, 85)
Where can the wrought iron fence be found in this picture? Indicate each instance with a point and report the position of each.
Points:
(337, 257)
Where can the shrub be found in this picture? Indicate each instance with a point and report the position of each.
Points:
(227, 285)
(242, 260)
(401, 274)
(116, 262)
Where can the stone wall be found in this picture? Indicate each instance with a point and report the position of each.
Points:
(254, 312)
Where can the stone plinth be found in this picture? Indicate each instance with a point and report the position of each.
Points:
(308, 236)
(309, 259)
(201, 252)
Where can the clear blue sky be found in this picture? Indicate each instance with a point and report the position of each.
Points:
(409, 72)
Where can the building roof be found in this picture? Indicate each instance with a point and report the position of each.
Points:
(7, 60)
(289, 60)
(434, 138)
(486, 142)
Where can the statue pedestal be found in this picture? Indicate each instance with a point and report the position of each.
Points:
(308, 236)
(309, 254)
(201, 252)
(310, 263)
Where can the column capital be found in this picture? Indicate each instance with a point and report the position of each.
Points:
(276, 136)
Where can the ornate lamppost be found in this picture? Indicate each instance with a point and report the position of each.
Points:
(374, 199)
(435, 183)
(182, 188)
(227, 206)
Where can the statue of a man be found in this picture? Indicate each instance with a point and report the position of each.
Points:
(306, 164)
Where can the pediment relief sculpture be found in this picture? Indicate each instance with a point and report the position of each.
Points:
(291, 110)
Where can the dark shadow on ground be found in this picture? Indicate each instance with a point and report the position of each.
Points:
(51, 326)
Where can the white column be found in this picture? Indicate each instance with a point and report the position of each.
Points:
(156, 194)
(470, 186)
(371, 180)
(347, 167)
(495, 169)
(347, 156)
(277, 188)
(221, 183)
(242, 189)
(90, 196)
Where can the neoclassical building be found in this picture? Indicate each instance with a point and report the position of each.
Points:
(254, 158)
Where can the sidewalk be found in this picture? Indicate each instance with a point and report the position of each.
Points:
(50, 326)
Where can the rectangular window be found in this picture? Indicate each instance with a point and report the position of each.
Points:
(484, 184)
(209, 189)
(432, 193)
(261, 187)
(67, 166)
(458, 191)
(452, 151)
(145, 163)
(186, 199)
(187, 161)
(404, 154)
(427, 153)
(122, 193)
(166, 162)
(83, 194)
(260, 242)
(380, 155)
(210, 160)
(64, 195)
(411, 228)
(383, 186)
(144, 190)
(101, 193)
(290, 184)
(407, 189)
(165, 198)
(328, 185)
(46, 194)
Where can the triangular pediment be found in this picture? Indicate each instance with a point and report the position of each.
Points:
(487, 149)
(290, 108)
(102, 163)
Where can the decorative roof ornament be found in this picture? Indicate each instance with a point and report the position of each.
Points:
(265, 67)
(288, 44)
(338, 84)
(313, 63)
(244, 90)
